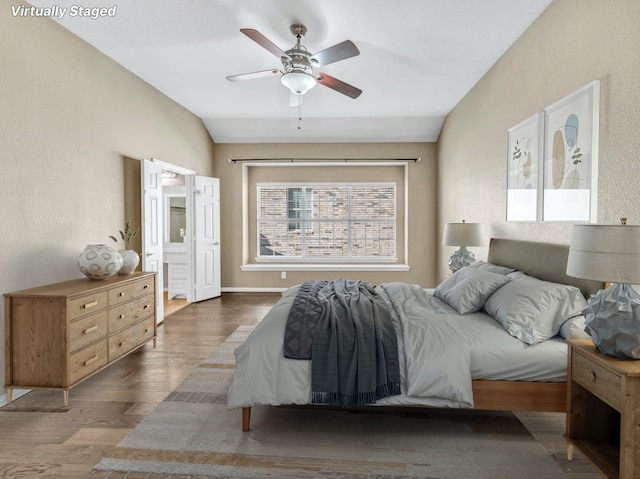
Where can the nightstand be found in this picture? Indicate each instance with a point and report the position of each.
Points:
(603, 410)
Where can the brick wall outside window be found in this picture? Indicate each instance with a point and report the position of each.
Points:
(343, 221)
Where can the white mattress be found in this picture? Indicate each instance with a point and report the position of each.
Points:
(264, 376)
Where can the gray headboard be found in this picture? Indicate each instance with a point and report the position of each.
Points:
(546, 261)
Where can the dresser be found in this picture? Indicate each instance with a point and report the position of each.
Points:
(603, 410)
(60, 334)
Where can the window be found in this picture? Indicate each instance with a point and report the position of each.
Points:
(327, 221)
(295, 205)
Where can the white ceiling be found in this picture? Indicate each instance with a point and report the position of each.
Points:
(418, 58)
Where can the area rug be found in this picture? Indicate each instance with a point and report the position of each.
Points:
(193, 434)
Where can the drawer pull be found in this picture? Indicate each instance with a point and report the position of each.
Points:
(91, 360)
(593, 377)
(146, 286)
(121, 294)
(90, 330)
(121, 316)
(90, 305)
(146, 306)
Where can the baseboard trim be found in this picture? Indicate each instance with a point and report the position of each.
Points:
(15, 394)
(253, 290)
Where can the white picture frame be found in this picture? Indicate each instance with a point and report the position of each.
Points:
(524, 169)
(571, 157)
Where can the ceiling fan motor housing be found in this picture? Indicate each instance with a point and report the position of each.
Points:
(298, 73)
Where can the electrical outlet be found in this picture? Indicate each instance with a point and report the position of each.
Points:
(283, 275)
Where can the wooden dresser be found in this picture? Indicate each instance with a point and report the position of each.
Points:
(59, 334)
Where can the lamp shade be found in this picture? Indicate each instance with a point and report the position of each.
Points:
(608, 253)
(298, 82)
(463, 234)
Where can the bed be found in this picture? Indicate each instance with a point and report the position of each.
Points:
(497, 332)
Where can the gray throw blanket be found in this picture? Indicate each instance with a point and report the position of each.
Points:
(355, 349)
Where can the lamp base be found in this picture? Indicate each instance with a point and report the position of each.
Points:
(461, 258)
(612, 319)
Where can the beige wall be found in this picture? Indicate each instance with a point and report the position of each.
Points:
(422, 209)
(69, 118)
(572, 43)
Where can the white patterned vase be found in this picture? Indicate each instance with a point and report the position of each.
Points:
(99, 261)
(130, 259)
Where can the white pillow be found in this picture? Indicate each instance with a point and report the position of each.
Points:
(533, 310)
(467, 289)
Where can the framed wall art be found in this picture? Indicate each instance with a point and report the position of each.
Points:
(524, 169)
(571, 157)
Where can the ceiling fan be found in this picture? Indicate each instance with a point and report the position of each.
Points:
(298, 65)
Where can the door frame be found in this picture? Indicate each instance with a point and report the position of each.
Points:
(185, 172)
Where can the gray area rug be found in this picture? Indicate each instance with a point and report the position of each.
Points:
(192, 434)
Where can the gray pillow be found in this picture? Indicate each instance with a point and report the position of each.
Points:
(493, 268)
(574, 329)
(468, 288)
(533, 310)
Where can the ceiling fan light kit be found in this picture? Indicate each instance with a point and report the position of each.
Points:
(298, 82)
(298, 74)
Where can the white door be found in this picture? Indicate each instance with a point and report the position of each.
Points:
(204, 194)
(152, 228)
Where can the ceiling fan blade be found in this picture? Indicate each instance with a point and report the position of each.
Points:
(295, 99)
(264, 42)
(338, 52)
(252, 75)
(339, 85)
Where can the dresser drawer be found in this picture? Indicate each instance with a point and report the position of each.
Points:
(88, 304)
(127, 339)
(88, 360)
(600, 381)
(128, 291)
(126, 314)
(86, 330)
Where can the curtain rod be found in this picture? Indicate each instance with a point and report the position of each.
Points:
(292, 160)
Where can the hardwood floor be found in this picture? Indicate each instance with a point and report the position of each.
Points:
(174, 304)
(39, 437)
(42, 438)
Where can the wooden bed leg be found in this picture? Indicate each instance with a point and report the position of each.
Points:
(246, 418)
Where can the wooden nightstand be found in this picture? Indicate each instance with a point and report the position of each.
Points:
(603, 410)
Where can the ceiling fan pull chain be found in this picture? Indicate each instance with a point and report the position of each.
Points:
(299, 115)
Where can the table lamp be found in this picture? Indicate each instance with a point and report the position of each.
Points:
(610, 253)
(462, 234)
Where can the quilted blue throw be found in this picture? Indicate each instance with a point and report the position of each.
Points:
(354, 357)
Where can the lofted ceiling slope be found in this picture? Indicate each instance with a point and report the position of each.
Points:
(418, 59)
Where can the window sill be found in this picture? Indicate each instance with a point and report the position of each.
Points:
(324, 267)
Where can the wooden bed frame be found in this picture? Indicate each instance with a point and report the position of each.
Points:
(546, 261)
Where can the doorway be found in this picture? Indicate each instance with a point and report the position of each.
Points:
(184, 253)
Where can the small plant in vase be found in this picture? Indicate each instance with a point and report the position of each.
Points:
(131, 257)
